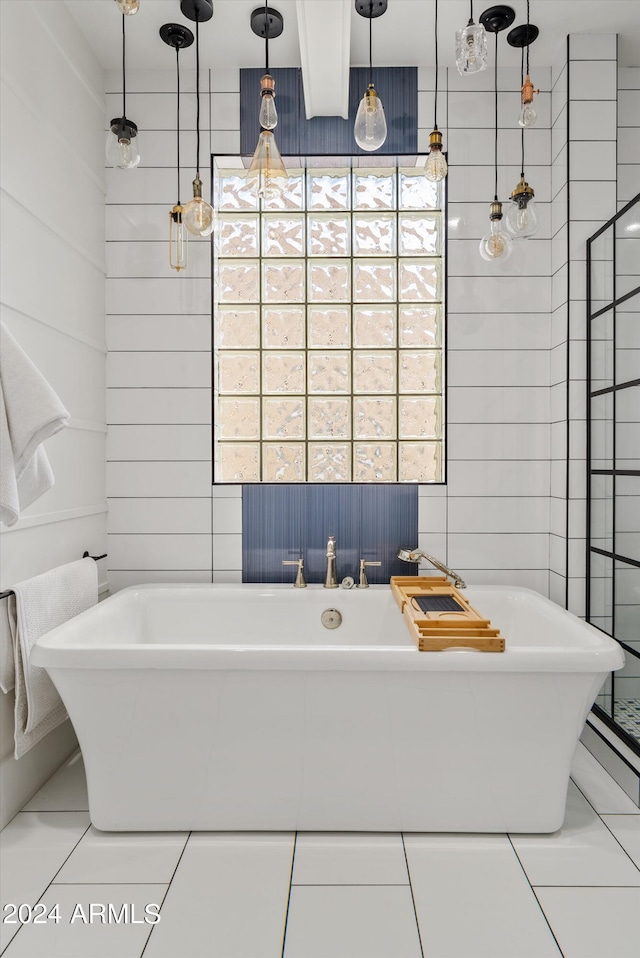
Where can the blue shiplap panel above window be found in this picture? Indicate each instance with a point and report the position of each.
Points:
(289, 521)
(331, 135)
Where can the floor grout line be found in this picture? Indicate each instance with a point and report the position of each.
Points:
(166, 892)
(413, 900)
(286, 917)
(58, 884)
(592, 806)
(533, 892)
(49, 884)
(539, 885)
(352, 884)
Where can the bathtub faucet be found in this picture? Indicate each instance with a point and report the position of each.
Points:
(415, 555)
(331, 578)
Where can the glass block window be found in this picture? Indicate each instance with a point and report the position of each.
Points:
(328, 324)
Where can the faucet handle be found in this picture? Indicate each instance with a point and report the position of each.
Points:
(301, 582)
(364, 582)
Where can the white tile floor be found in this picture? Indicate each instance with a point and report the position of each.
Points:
(575, 893)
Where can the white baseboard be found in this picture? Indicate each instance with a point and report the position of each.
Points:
(21, 778)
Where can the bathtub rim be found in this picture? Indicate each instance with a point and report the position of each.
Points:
(60, 648)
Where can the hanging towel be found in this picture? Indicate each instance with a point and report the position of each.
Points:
(30, 412)
(39, 605)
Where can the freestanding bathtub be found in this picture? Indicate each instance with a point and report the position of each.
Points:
(233, 708)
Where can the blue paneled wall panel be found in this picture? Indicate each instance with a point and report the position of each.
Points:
(331, 135)
(289, 521)
(285, 522)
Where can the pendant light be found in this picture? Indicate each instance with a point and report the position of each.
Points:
(267, 175)
(122, 141)
(435, 168)
(523, 37)
(197, 215)
(496, 244)
(178, 37)
(522, 215)
(370, 128)
(128, 7)
(471, 47)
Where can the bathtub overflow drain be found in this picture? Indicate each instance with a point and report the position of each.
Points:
(331, 618)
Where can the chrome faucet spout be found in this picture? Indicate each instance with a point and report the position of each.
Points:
(331, 577)
(416, 555)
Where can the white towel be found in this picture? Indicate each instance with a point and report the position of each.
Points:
(30, 412)
(39, 605)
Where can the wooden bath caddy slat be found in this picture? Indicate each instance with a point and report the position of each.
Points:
(435, 631)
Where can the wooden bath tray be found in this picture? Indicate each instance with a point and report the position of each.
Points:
(451, 622)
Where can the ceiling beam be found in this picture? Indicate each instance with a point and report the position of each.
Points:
(324, 28)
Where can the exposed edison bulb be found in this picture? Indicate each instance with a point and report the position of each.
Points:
(471, 49)
(268, 114)
(128, 7)
(122, 144)
(178, 240)
(435, 169)
(522, 216)
(527, 116)
(496, 244)
(197, 215)
(370, 128)
(267, 175)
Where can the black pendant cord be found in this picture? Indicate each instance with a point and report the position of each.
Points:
(124, 72)
(435, 99)
(178, 119)
(266, 38)
(198, 99)
(470, 12)
(495, 149)
(371, 43)
(527, 39)
(522, 128)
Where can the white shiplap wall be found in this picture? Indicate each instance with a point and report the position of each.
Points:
(53, 278)
(159, 337)
(491, 521)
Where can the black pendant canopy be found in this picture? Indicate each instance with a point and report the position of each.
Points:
(270, 23)
(496, 19)
(371, 8)
(522, 36)
(176, 35)
(197, 10)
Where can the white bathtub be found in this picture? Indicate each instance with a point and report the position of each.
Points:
(232, 707)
